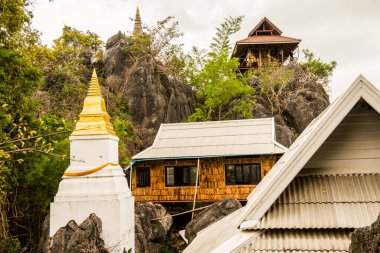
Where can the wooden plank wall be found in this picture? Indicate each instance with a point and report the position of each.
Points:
(355, 143)
(212, 183)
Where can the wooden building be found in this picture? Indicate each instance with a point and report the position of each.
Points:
(229, 158)
(323, 188)
(264, 43)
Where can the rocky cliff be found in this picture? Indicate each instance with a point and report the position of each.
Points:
(301, 108)
(150, 95)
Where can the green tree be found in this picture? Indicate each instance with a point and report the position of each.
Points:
(25, 139)
(217, 80)
(322, 71)
(72, 59)
(14, 18)
(221, 41)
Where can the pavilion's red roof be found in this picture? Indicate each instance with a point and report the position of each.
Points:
(268, 39)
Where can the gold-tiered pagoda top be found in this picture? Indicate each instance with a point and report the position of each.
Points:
(137, 29)
(94, 119)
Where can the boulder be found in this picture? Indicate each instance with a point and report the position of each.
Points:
(284, 134)
(366, 239)
(209, 215)
(115, 57)
(304, 107)
(149, 231)
(73, 238)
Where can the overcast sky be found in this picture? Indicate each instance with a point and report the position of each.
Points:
(346, 30)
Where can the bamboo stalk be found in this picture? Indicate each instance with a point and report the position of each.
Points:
(195, 191)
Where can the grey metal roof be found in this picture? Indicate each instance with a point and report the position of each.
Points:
(322, 215)
(334, 188)
(325, 201)
(215, 138)
(301, 241)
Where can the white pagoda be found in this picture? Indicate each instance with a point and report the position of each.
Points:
(94, 182)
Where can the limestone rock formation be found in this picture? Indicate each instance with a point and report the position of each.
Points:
(149, 231)
(366, 239)
(73, 238)
(211, 214)
(151, 96)
(301, 110)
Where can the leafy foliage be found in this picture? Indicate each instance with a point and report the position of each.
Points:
(29, 174)
(217, 80)
(14, 18)
(221, 41)
(161, 42)
(275, 83)
(72, 58)
(323, 71)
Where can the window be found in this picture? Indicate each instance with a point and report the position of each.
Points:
(181, 175)
(143, 177)
(243, 174)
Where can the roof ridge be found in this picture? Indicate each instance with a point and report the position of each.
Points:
(217, 121)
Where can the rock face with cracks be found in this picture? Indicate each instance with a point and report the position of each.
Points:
(73, 238)
(366, 239)
(152, 97)
(211, 214)
(302, 108)
(152, 222)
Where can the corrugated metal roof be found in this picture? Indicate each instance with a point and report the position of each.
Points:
(326, 201)
(216, 138)
(322, 215)
(301, 241)
(332, 189)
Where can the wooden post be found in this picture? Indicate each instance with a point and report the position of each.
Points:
(130, 176)
(260, 58)
(195, 190)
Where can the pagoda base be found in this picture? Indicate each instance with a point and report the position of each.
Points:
(117, 227)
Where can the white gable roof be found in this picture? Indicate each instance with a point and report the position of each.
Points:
(290, 164)
(300, 152)
(213, 139)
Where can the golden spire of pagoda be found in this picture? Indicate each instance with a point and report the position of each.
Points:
(94, 119)
(137, 29)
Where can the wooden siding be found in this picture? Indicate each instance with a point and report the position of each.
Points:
(212, 181)
(355, 143)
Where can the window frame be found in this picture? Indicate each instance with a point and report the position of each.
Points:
(140, 169)
(188, 176)
(242, 180)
